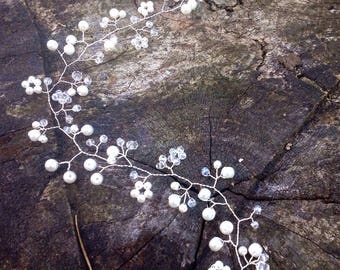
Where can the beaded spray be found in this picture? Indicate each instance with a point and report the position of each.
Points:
(60, 104)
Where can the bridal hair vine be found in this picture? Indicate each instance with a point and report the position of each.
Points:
(61, 92)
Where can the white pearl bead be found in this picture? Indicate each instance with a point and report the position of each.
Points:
(109, 45)
(175, 185)
(226, 267)
(36, 124)
(51, 165)
(112, 151)
(69, 49)
(227, 172)
(43, 139)
(74, 128)
(37, 82)
(82, 90)
(242, 250)
(29, 91)
(186, 9)
(217, 164)
(141, 198)
(255, 250)
(114, 13)
(218, 264)
(148, 194)
(183, 208)
(192, 4)
(90, 164)
(111, 160)
(226, 227)
(147, 185)
(215, 244)
(71, 39)
(34, 135)
(52, 45)
(71, 92)
(96, 179)
(25, 84)
(69, 177)
(204, 194)
(122, 14)
(139, 185)
(87, 130)
(208, 214)
(83, 26)
(134, 193)
(37, 89)
(174, 200)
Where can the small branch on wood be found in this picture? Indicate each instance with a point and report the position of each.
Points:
(82, 247)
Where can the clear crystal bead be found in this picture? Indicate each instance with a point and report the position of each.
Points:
(160, 165)
(88, 80)
(257, 209)
(264, 257)
(132, 145)
(90, 142)
(255, 225)
(133, 175)
(103, 138)
(67, 129)
(69, 119)
(134, 19)
(54, 97)
(191, 202)
(76, 108)
(205, 171)
(182, 156)
(262, 266)
(162, 158)
(149, 24)
(154, 32)
(43, 122)
(47, 81)
(176, 161)
(120, 142)
(77, 76)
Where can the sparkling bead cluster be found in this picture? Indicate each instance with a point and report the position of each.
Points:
(32, 85)
(37, 134)
(100, 155)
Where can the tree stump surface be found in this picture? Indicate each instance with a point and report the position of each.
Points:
(256, 80)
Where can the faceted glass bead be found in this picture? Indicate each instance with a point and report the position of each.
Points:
(132, 145)
(67, 129)
(257, 209)
(120, 142)
(133, 19)
(192, 202)
(77, 76)
(262, 266)
(182, 156)
(88, 80)
(205, 171)
(162, 158)
(133, 175)
(255, 225)
(47, 81)
(69, 119)
(76, 108)
(69, 100)
(103, 139)
(176, 161)
(90, 142)
(43, 122)
(154, 32)
(264, 257)
(149, 24)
